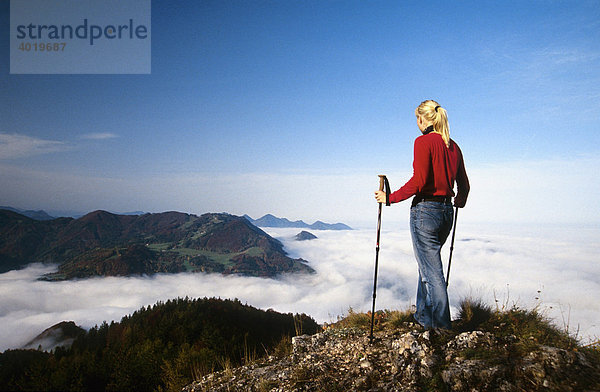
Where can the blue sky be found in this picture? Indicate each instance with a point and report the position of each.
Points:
(294, 107)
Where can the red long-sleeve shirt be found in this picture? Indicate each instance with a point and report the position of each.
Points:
(435, 170)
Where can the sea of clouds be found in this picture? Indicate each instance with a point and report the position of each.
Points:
(553, 268)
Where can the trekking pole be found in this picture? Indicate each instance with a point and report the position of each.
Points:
(383, 182)
(451, 246)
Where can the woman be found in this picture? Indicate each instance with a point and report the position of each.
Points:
(437, 165)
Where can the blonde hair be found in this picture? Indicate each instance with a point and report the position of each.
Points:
(437, 116)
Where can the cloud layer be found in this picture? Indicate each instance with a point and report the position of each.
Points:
(21, 146)
(554, 269)
(99, 136)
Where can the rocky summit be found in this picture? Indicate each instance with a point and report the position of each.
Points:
(411, 360)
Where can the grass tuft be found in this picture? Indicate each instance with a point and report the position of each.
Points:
(283, 348)
(472, 313)
(383, 320)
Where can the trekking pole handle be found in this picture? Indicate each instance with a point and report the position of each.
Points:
(384, 184)
(381, 182)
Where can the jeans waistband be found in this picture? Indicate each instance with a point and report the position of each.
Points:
(438, 199)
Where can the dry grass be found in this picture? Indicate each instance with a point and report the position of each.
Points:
(472, 314)
(383, 320)
(530, 327)
(283, 348)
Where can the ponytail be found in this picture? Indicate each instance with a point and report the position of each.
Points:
(437, 116)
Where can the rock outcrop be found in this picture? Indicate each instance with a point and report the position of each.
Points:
(305, 236)
(411, 360)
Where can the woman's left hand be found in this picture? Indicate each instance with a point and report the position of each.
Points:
(380, 196)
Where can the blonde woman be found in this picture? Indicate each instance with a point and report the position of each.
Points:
(438, 165)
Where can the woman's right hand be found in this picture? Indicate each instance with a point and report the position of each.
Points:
(380, 196)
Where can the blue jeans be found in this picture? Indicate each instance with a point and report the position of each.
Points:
(430, 224)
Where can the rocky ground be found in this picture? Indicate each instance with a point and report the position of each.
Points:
(411, 359)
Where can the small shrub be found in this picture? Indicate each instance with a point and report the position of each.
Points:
(355, 320)
(531, 327)
(226, 365)
(283, 348)
(472, 313)
(396, 319)
(383, 320)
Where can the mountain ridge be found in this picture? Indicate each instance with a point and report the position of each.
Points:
(54, 214)
(105, 244)
(270, 220)
(33, 214)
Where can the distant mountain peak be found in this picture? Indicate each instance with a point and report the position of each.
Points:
(270, 220)
(40, 215)
(62, 334)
